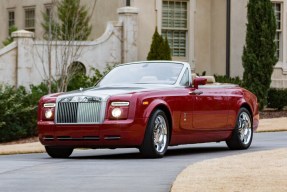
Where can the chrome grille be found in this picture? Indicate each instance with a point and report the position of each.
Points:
(78, 112)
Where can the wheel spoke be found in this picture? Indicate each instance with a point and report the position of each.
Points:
(160, 133)
(244, 128)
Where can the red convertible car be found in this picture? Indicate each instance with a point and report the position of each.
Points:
(147, 105)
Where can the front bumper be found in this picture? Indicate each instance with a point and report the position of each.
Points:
(109, 134)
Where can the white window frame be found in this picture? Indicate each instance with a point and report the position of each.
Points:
(177, 33)
(27, 20)
(279, 31)
(190, 46)
(11, 20)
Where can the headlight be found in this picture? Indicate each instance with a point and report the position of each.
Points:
(116, 112)
(48, 114)
(48, 111)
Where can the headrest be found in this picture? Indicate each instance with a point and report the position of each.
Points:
(210, 79)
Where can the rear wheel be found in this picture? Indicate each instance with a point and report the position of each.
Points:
(157, 136)
(243, 132)
(57, 152)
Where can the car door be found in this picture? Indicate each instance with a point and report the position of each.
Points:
(210, 109)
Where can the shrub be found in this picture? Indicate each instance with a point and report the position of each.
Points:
(225, 79)
(277, 98)
(84, 81)
(18, 116)
(159, 49)
(259, 53)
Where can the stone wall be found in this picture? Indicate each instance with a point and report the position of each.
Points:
(26, 61)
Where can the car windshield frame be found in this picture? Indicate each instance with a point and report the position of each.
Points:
(161, 73)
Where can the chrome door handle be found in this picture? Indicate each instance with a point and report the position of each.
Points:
(195, 92)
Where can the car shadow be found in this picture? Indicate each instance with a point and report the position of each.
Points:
(185, 151)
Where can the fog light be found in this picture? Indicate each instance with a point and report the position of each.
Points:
(116, 112)
(49, 114)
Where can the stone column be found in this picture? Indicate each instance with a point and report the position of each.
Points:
(24, 57)
(129, 18)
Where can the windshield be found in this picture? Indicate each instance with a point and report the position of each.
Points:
(143, 73)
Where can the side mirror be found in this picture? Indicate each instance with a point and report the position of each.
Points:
(199, 81)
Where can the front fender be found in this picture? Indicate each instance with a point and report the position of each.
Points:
(153, 105)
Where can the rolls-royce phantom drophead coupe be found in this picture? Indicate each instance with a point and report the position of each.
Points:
(148, 105)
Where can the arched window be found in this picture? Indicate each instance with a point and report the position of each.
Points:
(76, 68)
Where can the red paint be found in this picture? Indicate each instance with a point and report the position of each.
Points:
(208, 117)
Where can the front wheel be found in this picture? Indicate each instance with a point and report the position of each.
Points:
(241, 137)
(157, 136)
(57, 152)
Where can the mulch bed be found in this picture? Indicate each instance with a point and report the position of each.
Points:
(270, 113)
(20, 141)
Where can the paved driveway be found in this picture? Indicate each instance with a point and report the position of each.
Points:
(114, 170)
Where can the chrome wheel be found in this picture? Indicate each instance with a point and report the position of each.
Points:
(160, 134)
(242, 134)
(244, 128)
(156, 138)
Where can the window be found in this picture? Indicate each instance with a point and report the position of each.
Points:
(11, 18)
(30, 19)
(128, 2)
(278, 37)
(48, 8)
(174, 26)
(185, 79)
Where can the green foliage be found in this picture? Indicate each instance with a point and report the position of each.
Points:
(18, 115)
(226, 79)
(73, 22)
(82, 80)
(259, 52)
(166, 50)
(9, 39)
(159, 49)
(277, 98)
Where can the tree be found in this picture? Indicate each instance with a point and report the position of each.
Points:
(166, 50)
(71, 24)
(159, 49)
(259, 50)
(9, 39)
(66, 25)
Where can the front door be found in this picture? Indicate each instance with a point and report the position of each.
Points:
(210, 109)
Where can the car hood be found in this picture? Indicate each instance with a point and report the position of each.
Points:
(105, 92)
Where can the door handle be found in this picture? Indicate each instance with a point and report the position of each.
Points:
(195, 92)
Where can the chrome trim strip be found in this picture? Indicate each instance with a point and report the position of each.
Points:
(46, 105)
(78, 139)
(113, 138)
(120, 104)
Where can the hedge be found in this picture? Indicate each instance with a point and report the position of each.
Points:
(277, 98)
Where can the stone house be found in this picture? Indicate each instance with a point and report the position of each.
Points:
(209, 34)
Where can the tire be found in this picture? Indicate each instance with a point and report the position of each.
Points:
(242, 134)
(156, 138)
(56, 152)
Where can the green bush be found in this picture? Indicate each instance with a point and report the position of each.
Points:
(18, 116)
(81, 80)
(259, 52)
(159, 48)
(225, 79)
(277, 98)
(18, 107)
